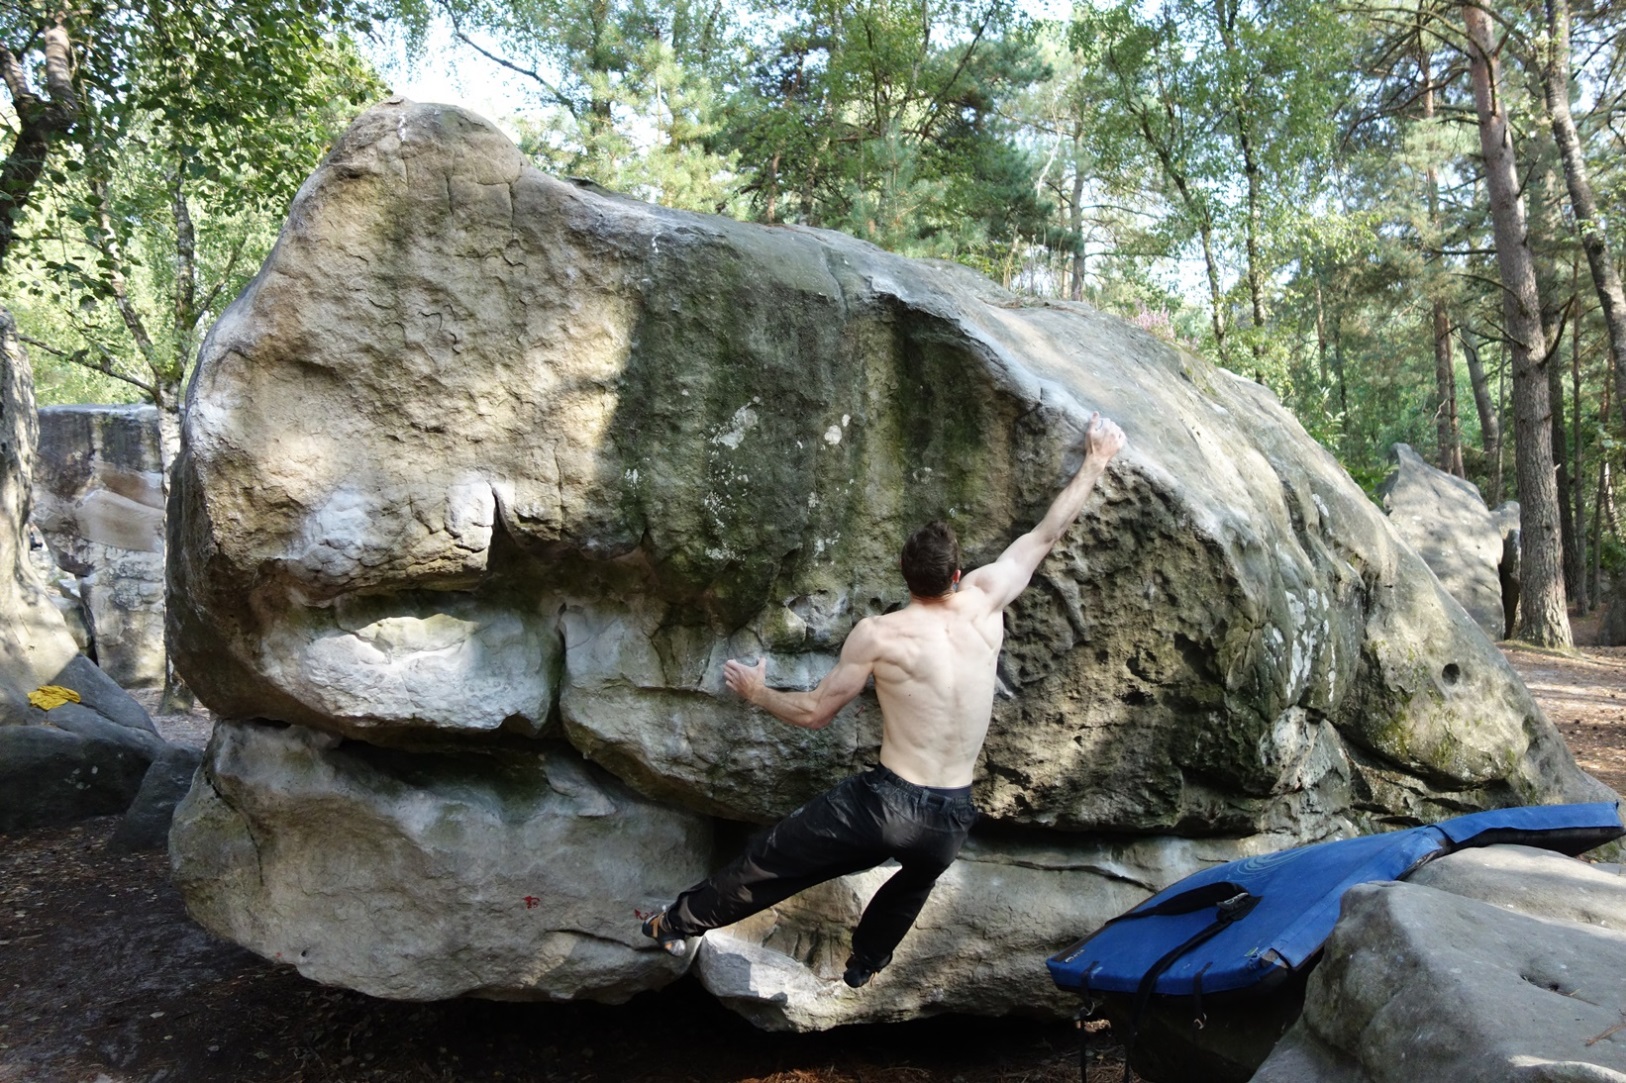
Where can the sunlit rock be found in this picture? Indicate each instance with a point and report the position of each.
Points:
(1500, 965)
(487, 460)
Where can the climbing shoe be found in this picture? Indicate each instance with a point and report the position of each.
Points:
(859, 972)
(655, 928)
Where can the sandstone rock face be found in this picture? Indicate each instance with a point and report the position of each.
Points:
(1500, 964)
(1445, 519)
(371, 869)
(34, 641)
(80, 759)
(99, 502)
(486, 462)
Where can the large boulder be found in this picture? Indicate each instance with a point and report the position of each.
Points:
(1462, 541)
(78, 759)
(1499, 965)
(484, 461)
(99, 502)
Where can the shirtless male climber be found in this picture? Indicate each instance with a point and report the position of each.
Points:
(933, 662)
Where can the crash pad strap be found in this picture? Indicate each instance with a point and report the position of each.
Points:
(1231, 908)
(1198, 898)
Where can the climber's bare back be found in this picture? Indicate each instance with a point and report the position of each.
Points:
(934, 660)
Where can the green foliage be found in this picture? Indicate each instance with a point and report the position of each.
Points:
(1288, 186)
(626, 91)
(196, 125)
(1612, 558)
(881, 118)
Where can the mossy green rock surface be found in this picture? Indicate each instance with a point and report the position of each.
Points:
(487, 459)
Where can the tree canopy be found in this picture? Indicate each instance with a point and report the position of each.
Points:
(1298, 190)
(189, 129)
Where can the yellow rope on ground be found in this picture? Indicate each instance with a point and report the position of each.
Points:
(52, 695)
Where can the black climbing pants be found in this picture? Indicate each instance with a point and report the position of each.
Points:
(855, 826)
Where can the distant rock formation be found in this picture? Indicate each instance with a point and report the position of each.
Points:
(99, 502)
(1464, 543)
(486, 473)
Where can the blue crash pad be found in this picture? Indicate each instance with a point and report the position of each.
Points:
(1298, 895)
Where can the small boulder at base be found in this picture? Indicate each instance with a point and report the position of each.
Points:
(81, 758)
(1497, 965)
(145, 825)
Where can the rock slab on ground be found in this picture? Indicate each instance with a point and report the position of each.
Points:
(1499, 965)
(145, 824)
(77, 760)
(485, 463)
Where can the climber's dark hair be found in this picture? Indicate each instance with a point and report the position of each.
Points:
(931, 556)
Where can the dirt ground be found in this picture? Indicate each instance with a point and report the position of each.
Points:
(1584, 695)
(103, 979)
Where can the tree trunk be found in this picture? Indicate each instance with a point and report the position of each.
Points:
(1561, 475)
(1216, 294)
(1448, 435)
(40, 122)
(1447, 430)
(1606, 498)
(1321, 330)
(1543, 619)
(1075, 289)
(186, 262)
(177, 697)
(773, 186)
(1595, 583)
(1338, 367)
(1546, 233)
(1584, 597)
(1595, 573)
(1256, 267)
(1600, 261)
(169, 388)
(1490, 425)
(1225, 17)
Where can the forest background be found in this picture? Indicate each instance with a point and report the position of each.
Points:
(1396, 215)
